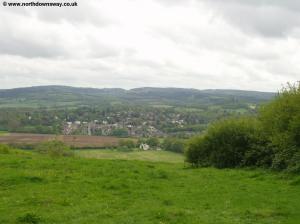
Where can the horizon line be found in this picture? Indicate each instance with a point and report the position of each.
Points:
(128, 89)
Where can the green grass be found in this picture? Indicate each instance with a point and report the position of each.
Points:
(40, 189)
(153, 156)
(3, 133)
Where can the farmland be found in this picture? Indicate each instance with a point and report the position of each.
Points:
(76, 141)
(79, 190)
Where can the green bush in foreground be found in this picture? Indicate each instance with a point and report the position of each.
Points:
(281, 121)
(54, 148)
(271, 140)
(230, 143)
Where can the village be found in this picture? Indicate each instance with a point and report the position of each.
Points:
(121, 128)
(126, 123)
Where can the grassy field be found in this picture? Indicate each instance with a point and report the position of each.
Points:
(152, 156)
(40, 189)
(3, 133)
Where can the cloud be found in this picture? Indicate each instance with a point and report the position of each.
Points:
(133, 43)
(269, 18)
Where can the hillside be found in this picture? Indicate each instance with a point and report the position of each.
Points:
(137, 112)
(49, 96)
(77, 190)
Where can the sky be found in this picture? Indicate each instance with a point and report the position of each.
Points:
(202, 44)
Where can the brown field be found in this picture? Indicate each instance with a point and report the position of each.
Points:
(78, 141)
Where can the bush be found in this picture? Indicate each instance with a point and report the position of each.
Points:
(4, 149)
(54, 148)
(281, 121)
(230, 143)
(153, 142)
(197, 152)
(272, 140)
(127, 143)
(173, 145)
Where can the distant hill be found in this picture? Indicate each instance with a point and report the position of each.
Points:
(65, 96)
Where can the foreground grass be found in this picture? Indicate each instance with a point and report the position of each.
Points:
(40, 189)
(152, 156)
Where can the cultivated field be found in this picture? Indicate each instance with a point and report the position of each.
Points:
(78, 141)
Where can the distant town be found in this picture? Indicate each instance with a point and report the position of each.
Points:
(118, 125)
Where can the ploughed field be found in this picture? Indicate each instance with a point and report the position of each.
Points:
(37, 188)
(78, 141)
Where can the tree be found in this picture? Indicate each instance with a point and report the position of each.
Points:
(153, 142)
(120, 132)
(173, 145)
(281, 121)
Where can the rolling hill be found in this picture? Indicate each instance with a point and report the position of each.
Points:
(58, 96)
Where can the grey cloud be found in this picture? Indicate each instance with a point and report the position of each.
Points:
(270, 18)
(174, 2)
(37, 38)
(17, 46)
(101, 51)
(289, 4)
(83, 14)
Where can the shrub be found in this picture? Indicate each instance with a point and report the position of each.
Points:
(281, 121)
(173, 145)
(272, 140)
(127, 143)
(4, 149)
(230, 143)
(54, 148)
(153, 142)
(197, 152)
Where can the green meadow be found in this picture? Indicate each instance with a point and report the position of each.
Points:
(37, 188)
(151, 156)
(3, 133)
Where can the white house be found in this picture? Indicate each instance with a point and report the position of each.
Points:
(144, 146)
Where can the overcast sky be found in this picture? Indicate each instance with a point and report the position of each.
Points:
(202, 44)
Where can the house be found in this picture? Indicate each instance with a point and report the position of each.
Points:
(144, 146)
